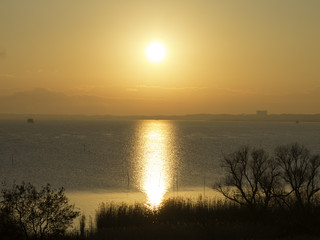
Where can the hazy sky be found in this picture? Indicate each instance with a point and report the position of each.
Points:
(224, 56)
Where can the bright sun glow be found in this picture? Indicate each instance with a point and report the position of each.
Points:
(156, 52)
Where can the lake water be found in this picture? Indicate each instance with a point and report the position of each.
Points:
(145, 160)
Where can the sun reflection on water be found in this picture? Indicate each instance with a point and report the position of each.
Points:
(156, 166)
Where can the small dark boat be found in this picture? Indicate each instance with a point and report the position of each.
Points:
(30, 120)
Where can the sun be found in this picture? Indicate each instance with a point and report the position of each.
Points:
(156, 52)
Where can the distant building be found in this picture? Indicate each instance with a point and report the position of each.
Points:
(262, 113)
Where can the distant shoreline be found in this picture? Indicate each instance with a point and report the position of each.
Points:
(296, 118)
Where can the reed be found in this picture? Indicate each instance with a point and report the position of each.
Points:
(205, 218)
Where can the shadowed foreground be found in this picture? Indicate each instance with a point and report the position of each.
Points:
(186, 219)
(203, 219)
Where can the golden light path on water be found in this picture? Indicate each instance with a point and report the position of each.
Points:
(156, 166)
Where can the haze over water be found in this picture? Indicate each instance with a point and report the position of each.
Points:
(151, 157)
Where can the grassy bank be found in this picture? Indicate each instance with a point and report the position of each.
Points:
(205, 218)
(181, 218)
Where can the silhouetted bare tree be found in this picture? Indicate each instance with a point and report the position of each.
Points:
(251, 179)
(38, 213)
(300, 172)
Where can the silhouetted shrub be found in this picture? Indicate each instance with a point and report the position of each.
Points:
(9, 228)
(38, 214)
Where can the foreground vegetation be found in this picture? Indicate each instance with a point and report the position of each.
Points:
(266, 197)
(180, 218)
(28, 213)
(205, 218)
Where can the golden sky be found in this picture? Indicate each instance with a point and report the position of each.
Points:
(223, 56)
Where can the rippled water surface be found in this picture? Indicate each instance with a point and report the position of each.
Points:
(138, 159)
